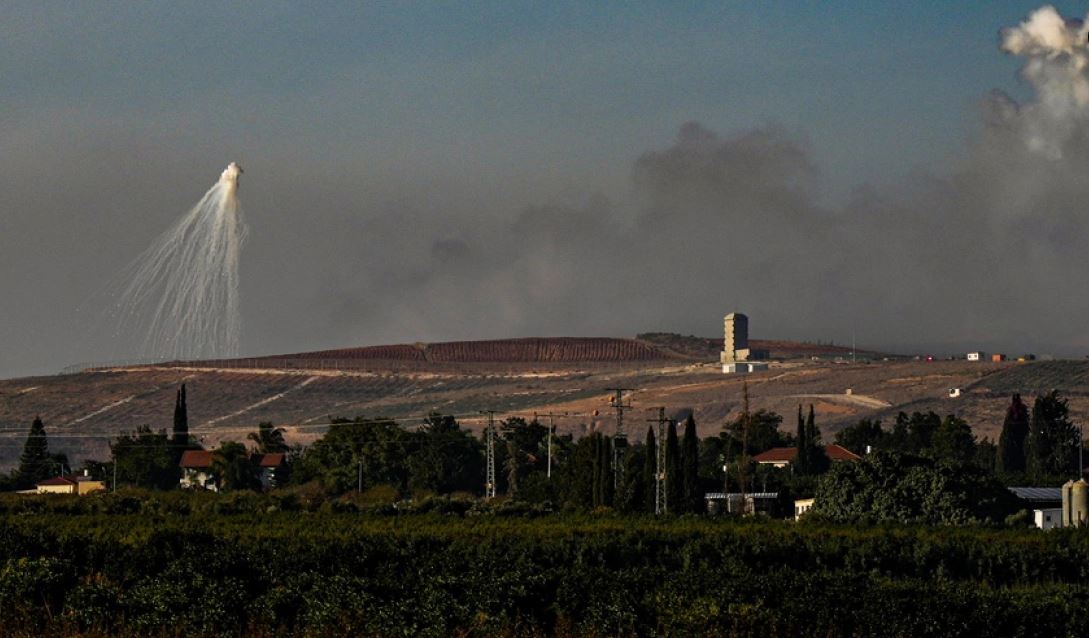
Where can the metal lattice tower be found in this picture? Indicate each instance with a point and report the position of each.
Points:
(489, 438)
(620, 438)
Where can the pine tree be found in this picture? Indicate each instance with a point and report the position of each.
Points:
(690, 466)
(34, 463)
(650, 470)
(1011, 443)
(674, 473)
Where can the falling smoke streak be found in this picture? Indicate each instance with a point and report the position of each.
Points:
(181, 301)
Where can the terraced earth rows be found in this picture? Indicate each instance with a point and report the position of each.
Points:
(82, 411)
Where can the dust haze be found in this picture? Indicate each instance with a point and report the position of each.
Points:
(989, 255)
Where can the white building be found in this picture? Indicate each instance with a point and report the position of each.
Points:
(743, 367)
(197, 471)
(977, 356)
(1048, 518)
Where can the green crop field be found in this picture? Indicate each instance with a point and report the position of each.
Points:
(199, 565)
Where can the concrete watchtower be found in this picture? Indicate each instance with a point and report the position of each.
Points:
(736, 343)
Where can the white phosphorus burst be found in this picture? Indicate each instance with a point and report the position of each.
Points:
(181, 300)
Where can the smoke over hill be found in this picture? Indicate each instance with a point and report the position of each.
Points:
(981, 256)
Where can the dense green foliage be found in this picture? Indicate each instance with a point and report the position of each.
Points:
(268, 439)
(861, 437)
(266, 571)
(1053, 440)
(146, 459)
(888, 487)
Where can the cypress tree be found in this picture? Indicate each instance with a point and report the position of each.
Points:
(34, 462)
(650, 469)
(816, 461)
(690, 463)
(181, 422)
(801, 459)
(674, 473)
(1011, 443)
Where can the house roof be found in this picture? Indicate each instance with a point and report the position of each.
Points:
(273, 459)
(196, 458)
(840, 453)
(59, 480)
(787, 454)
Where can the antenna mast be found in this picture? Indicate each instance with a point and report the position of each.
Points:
(489, 438)
(620, 439)
(744, 461)
(660, 476)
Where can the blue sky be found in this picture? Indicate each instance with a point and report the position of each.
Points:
(876, 87)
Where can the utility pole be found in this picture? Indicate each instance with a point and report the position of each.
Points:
(551, 429)
(620, 439)
(661, 477)
(744, 461)
(489, 438)
(359, 488)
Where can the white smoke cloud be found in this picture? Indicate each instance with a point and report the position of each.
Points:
(1057, 67)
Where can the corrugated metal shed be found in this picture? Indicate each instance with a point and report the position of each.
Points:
(1038, 494)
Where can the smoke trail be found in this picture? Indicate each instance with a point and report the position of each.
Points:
(181, 301)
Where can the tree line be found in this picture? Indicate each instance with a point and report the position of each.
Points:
(926, 453)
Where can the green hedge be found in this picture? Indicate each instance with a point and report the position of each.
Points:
(281, 573)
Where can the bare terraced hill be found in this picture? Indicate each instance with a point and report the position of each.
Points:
(301, 392)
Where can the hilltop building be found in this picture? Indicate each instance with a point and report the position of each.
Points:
(735, 348)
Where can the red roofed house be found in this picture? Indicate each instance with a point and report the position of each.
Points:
(267, 466)
(197, 472)
(784, 456)
(70, 484)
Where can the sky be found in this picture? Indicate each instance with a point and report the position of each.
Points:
(904, 174)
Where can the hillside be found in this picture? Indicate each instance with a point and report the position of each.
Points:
(82, 411)
(546, 350)
(708, 348)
